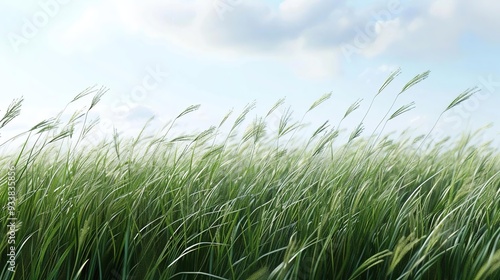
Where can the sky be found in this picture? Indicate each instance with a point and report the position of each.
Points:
(157, 57)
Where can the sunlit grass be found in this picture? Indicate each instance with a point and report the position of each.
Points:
(254, 205)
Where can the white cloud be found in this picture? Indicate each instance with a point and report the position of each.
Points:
(387, 33)
(85, 34)
(307, 34)
(314, 65)
(443, 9)
(481, 17)
(416, 24)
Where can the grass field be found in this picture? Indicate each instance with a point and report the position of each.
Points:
(251, 205)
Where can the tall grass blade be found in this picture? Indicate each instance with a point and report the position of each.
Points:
(318, 102)
(403, 109)
(188, 110)
(462, 97)
(389, 80)
(417, 79)
(352, 108)
(12, 112)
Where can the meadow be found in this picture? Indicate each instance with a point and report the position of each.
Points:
(251, 203)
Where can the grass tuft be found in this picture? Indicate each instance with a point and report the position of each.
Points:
(225, 204)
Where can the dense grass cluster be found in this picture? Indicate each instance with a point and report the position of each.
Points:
(255, 205)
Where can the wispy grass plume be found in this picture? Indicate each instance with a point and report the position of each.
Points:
(229, 204)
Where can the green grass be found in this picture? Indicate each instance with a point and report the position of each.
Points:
(253, 205)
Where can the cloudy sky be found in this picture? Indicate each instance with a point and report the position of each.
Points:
(159, 56)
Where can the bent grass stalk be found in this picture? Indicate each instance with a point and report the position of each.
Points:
(241, 206)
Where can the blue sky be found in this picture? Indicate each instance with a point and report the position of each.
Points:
(158, 57)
